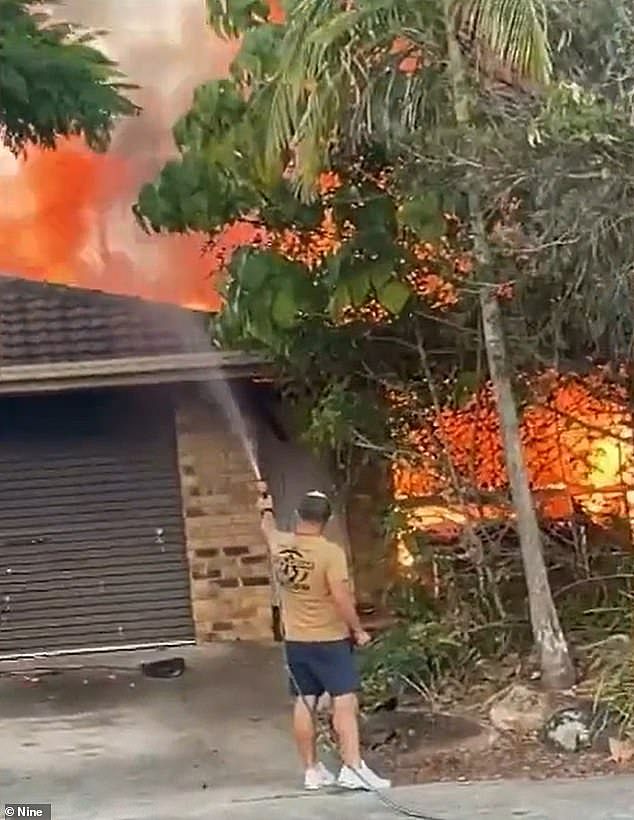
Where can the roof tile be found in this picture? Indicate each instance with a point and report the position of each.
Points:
(42, 322)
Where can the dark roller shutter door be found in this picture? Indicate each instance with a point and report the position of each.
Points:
(92, 544)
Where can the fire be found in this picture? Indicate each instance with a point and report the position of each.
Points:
(403, 555)
(44, 209)
(56, 224)
(609, 459)
(65, 215)
(578, 444)
(611, 462)
(276, 11)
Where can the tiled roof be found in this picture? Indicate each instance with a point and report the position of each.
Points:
(44, 323)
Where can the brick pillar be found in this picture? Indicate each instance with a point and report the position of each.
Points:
(227, 555)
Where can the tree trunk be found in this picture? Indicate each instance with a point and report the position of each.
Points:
(556, 665)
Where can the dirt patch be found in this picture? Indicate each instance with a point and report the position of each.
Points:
(412, 734)
(507, 758)
(423, 748)
(472, 748)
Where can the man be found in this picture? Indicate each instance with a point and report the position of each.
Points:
(321, 627)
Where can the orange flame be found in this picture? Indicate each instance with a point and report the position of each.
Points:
(44, 212)
(65, 215)
(579, 446)
(53, 227)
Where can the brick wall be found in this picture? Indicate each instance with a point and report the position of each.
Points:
(227, 556)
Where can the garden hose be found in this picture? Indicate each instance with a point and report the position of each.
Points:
(390, 804)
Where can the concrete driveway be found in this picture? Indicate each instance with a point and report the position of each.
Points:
(600, 799)
(108, 744)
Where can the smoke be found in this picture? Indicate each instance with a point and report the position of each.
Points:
(65, 215)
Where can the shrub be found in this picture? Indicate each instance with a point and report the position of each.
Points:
(414, 656)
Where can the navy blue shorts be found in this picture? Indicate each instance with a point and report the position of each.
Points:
(322, 666)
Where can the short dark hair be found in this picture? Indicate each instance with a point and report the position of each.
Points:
(315, 508)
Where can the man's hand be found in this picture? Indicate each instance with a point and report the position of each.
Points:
(268, 526)
(265, 504)
(361, 638)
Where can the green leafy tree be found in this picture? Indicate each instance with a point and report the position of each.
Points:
(419, 111)
(550, 220)
(328, 69)
(53, 82)
(327, 309)
(324, 97)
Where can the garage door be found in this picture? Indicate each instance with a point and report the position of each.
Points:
(92, 545)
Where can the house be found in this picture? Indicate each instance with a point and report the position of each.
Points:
(126, 498)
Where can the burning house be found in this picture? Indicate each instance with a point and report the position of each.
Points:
(578, 444)
(126, 506)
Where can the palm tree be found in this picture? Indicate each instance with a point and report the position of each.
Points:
(327, 90)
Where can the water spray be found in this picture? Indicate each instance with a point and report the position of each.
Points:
(220, 390)
(232, 411)
(250, 452)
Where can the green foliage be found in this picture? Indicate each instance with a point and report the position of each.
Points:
(456, 634)
(338, 415)
(289, 311)
(423, 216)
(272, 295)
(258, 58)
(231, 18)
(572, 114)
(325, 91)
(53, 83)
(615, 690)
(415, 655)
(411, 601)
(394, 295)
(593, 43)
(336, 58)
(215, 180)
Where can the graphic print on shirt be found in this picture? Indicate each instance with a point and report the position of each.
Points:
(293, 570)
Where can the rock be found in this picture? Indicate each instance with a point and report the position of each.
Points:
(576, 729)
(621, 751)
(388, 705)
(378, 730)
(521, 709)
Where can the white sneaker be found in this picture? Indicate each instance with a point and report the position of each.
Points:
(361, 778)
(318, 778)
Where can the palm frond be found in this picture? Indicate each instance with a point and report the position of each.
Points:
(338, 69)
(511, 32)
(301, 67)
(323, 71)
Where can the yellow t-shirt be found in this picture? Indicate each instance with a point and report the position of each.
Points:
(305, 566)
